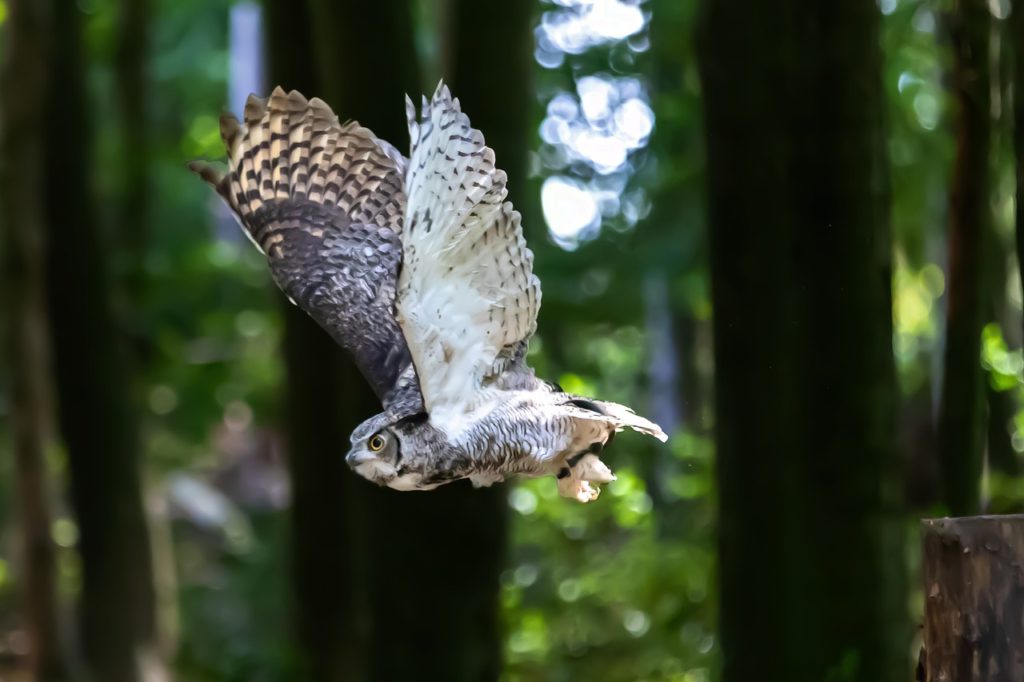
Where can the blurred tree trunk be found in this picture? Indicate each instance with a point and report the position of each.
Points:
(97, 421)
(422, 548)
(494, 85)
(1017, 38)
(23, 202)
(318, 418)
(962, 403)
(129, 67)
(809, 564)
(318, 414)
(131, 233)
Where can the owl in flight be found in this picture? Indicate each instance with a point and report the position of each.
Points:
(418, 267)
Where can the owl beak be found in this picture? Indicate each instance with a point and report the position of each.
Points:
(354, 459)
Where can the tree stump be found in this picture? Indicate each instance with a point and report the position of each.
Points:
(974, 599)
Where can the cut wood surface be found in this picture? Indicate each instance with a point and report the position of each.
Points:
(974, 599)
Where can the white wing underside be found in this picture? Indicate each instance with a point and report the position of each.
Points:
(467, 295)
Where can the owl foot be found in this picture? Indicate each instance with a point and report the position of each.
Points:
(590, 468)
(574, 481)
(577, 489)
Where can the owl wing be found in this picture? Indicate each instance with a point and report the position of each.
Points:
(467, 296)
(324, 202)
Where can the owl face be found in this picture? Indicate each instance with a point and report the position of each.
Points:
(377, 454)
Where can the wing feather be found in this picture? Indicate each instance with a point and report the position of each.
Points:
(467, 296)
(324, 201)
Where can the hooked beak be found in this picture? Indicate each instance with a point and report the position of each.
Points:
(354, 459)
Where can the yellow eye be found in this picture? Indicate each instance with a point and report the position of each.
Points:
(376, 443)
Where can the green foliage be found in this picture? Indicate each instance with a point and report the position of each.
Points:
(608, 590)
(622, 589)
(1005, 367)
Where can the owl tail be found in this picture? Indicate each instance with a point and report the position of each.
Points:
(622, 417)
(289, 149)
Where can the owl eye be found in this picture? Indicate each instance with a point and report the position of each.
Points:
(376, 443)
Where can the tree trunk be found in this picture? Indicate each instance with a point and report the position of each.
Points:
(318, 419)
(962, 404)
(23, 202)
(451, 539)
(974, 598)
(809, 563)
(97, 421)
(494, 85)
(130, 65)
(1017, 37)
(318, 416)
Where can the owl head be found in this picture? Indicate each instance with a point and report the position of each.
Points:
(384, 448)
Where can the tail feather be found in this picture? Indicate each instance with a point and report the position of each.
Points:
(289, 148)
(628, 418)
(621, 416)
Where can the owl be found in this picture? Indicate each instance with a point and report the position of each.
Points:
(418, 267)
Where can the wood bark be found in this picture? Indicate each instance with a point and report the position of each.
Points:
(962, 404)
(974, 599)
(23, 204)
(97, 421)
(805, 392)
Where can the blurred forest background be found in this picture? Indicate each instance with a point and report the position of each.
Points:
(785, 229)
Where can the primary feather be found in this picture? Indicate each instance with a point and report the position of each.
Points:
(325, 201)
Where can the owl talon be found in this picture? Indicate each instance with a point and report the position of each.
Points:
(586, 492)
(577, 489)
(591, 468)
(575, 483)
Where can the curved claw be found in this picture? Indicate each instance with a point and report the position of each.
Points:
(577, 489)
(591, 468)
(575, 481)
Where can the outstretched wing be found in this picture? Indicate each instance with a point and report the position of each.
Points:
(467, 296)
(324, 202)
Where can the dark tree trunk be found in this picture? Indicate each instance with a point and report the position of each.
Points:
(962, 405)
(130, 68)
(419, 549)
(488, 68)
(1017, 37)
(23, 201)
(805, 392)
(97, 421)
(319, 416)
(974, 597)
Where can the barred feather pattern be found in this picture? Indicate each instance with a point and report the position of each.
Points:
(288, 147)
(420, 269)
(533, 432)
(324, 201)
(468, 298)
